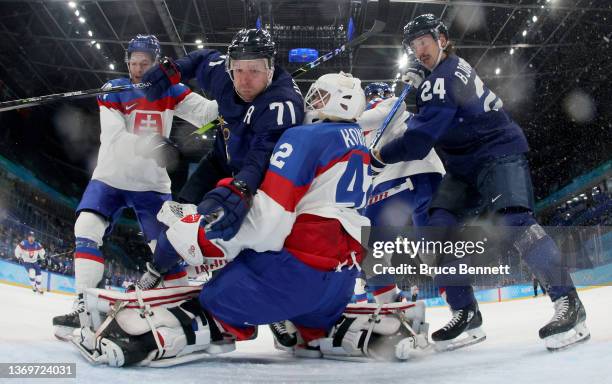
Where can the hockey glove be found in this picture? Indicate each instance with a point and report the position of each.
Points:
(161, 77)
(161, 149)
(224, 208)
(415, 73)
(376, 165)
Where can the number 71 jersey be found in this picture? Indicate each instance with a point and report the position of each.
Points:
(318, 170)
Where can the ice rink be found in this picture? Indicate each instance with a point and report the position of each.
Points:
(512, 352)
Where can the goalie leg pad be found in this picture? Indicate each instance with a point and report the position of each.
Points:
(371, 331)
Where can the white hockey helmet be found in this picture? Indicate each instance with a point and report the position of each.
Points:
(336, 97)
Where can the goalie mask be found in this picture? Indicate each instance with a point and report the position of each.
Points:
(335, 97)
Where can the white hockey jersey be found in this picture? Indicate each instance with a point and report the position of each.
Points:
(307, 203)
(372, 119)
(29, 252)
(125, 115)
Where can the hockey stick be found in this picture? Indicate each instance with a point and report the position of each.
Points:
(38, 100)
(394, 109)
(379, 25)
(390, 192)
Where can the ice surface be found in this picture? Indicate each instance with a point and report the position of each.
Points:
(512, 352)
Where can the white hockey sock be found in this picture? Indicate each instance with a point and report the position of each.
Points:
(87, 273)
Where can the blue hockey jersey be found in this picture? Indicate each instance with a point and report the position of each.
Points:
(460, 116)
(244, 143)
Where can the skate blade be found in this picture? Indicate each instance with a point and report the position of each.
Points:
(63, 333)
(355, 359)
(93, 358)
(474, 336)
(173, 361)
(577, 335)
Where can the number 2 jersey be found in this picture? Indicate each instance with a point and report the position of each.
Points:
(308, 201)
(29, 252)
(460, 116)
(126, 115)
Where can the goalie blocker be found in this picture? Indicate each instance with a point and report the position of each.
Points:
(167, 326)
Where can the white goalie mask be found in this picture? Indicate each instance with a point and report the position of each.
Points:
(336, 97)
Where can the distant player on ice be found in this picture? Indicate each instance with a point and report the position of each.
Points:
(131, 169)
(30, 252)
(295, 257)
(487, 172)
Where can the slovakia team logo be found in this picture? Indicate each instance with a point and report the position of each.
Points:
(148, 122)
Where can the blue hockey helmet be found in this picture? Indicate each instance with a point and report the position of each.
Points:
(31, 234)
(381, 89)
(423, 25)
(249, 44)
(144, 43)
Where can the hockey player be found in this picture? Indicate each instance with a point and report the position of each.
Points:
(30, 251)
(487, 172)
(295, 256)
(258, 101)
(402, 192)
(131, 170)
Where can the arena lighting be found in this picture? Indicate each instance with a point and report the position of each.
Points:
(403, 61)
(72, 4)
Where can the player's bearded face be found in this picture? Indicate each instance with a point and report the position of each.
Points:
(426, 50)
(251, 77)
(138, 64)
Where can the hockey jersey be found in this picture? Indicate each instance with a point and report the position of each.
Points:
(371, 120)
(251, 129)
(460, 116)
(29, 252)
(126, 115)
(307, 203)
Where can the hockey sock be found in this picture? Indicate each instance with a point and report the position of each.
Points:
(88, 264)
(541, 254)
(459, 297)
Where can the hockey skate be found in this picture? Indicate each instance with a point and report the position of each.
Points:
(467, 320)
(65, 325)
(285, 337)
(153, 279)
(567, 326)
